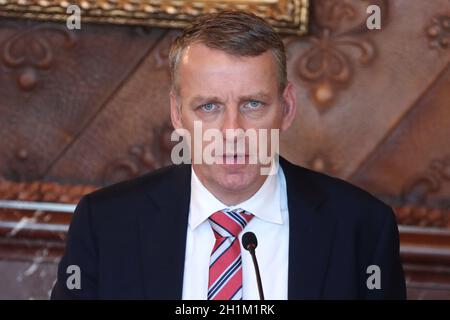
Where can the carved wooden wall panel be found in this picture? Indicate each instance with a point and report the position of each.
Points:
(80, 110)
(133, 129)
(54, 83)
(414, 160)
(383, 74)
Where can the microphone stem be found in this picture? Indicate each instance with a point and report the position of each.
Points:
(258, 276)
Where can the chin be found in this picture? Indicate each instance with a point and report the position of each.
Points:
(234, 179)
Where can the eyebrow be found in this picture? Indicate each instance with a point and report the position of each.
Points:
(199, 99)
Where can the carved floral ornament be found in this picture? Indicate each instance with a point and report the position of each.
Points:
(339, 42)
(31, 51)
(431, 181)
(142, 158)
(287, 16)
(438, 32)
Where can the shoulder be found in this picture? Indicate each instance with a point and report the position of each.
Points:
(115, 208)
(338, 189)
(343, 199)
(156, 181)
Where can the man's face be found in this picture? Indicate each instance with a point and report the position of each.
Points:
(228, 92)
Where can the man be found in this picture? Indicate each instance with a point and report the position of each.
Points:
(176, 233)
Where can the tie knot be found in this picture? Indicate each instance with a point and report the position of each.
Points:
(229, 223)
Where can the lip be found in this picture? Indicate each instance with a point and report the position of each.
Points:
(235, 160)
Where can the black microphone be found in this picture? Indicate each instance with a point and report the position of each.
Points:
(250, 243)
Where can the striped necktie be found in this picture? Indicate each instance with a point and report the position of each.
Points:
(225, 266)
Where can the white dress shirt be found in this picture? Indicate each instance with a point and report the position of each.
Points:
(270, 225)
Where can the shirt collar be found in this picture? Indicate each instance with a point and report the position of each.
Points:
(265, 204)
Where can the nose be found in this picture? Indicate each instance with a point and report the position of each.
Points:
(231, 118)
(233, 131)
(231, 122)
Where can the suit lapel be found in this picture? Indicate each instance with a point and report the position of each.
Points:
(162, 229)
(311, 234)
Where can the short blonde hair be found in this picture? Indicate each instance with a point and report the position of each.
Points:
(237, 33)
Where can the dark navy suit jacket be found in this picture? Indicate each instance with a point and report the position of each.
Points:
(129, 239)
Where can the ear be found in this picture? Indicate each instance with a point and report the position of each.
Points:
(175, 111)
(289, 106)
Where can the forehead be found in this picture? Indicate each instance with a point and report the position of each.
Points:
(205, 69)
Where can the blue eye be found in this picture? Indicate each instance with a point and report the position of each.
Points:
(254, 104)
(208, 107)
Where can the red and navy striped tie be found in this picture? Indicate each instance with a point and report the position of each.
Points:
(225, 266)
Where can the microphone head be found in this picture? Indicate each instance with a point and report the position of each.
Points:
(249, 241)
